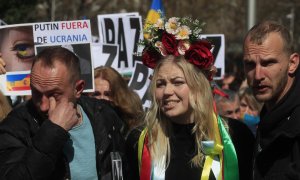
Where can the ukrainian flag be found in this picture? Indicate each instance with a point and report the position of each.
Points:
(156, 11)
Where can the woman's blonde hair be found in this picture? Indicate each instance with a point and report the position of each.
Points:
(127, 101)
(247, 94)
(201, 102)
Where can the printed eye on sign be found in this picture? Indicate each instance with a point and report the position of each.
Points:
(123, 30)
(23, 40)
(218, 51)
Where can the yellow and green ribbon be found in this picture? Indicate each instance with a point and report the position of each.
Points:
(212, 151)
(221, 148)
(230, 161)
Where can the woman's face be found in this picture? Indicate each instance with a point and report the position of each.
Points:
(247, 108)
(17, 50)
(102, 89)
(172, 93)
(243, 106)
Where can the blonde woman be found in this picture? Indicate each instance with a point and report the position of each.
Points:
(250, 109)
(183, 137)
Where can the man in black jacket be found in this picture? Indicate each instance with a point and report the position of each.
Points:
(59, 134)
(271, 66)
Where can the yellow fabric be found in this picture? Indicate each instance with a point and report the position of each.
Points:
(216, 151)
(152, 17)
(141, 145)
(207, 168)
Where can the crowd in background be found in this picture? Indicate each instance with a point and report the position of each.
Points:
(187, 128)
(238, 104)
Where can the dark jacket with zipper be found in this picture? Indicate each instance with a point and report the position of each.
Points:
(32, 148)
(277, 149)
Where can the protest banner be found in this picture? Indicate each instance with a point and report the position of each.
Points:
(62, 32)
(124, 30)
(105, 54)
(140, 81)
(23, 40)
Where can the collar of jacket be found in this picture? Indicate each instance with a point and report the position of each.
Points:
(281, 119)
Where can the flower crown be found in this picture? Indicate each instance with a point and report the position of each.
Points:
(176, 36)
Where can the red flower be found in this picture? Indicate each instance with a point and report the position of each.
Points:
(199, 54)
(150, 57)
(170, 43)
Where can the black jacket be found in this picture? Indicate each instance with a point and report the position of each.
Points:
(243, 141)
(277, 152)
(31, 148)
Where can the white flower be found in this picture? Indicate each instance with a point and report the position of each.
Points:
(159, 24)
(183, 46)
(183, 32)
(172, 25)
(182, 29)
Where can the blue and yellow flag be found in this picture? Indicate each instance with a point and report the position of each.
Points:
(155, 12)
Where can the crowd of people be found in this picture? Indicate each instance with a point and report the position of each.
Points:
(248, 130)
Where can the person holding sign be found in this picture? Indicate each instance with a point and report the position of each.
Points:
(59, 134)
(16, 48)
(184, 138)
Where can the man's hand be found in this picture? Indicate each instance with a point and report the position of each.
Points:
(63, 114)
(2, 65)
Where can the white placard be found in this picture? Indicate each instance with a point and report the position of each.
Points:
(140, 81)
(105, 55)
(126, 32)
(62, 32)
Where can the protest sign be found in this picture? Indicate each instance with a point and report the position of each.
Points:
(22, 40)
(123, 30)
(105, 54)
(140, 81)
(16, 83)
(62, 32)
